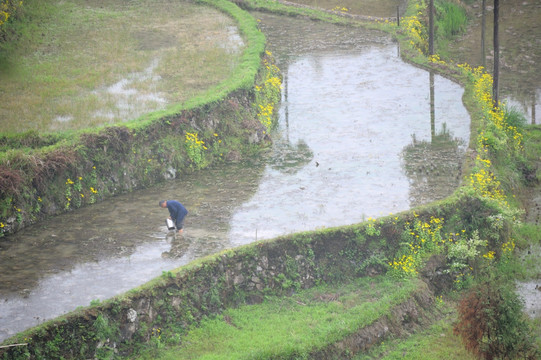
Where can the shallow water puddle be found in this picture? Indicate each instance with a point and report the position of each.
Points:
(356, 139)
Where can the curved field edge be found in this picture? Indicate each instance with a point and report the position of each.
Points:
(48, 174)
(502, 167)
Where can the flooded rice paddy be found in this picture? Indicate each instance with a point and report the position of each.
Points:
(361, 134)
(101, 62)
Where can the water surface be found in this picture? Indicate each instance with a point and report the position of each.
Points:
(520, 52)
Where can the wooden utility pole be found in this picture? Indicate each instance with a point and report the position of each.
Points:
(496, 74)
(431, 27)
(483, 26)
(432, 108)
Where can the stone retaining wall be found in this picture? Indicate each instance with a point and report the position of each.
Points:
(179, 299)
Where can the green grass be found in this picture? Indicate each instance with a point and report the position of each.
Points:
(290, 327)
(451, 19)
(66, 69)
(532, 143)
(436, 342)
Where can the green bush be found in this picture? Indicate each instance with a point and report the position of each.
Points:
(492, 324)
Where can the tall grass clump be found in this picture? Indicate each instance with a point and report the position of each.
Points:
(451, 19)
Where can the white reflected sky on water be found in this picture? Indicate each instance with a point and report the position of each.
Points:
(356, 113)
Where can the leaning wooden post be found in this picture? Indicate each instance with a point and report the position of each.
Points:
(496, 74)
(431, 28)
(483, 25)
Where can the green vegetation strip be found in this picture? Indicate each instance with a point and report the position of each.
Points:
(286, 327)
(436, 342)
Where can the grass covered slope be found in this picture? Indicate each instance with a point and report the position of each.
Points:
(307, 324)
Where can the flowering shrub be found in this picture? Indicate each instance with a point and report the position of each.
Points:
(404, 266)
(435, 59)
(341, 9)
(268, 93)
(422, 238)
(416, 31)
(493, 114)
(484, 181)
(195, 149)
(496, 138)
(372, 229)
(8, 8)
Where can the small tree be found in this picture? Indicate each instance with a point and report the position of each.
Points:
(492, 325)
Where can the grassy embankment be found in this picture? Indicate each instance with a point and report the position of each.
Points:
(503, 165)
(291, 327)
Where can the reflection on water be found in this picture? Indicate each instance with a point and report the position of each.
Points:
(520, 52)
(433, 166)
(358, 124)
(355, 128)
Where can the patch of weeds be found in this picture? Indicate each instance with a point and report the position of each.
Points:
(377, 261)
(168, 275)
(195, 148)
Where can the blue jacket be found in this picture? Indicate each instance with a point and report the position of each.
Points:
(176, 210)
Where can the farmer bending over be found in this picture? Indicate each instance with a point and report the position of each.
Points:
(177, 212)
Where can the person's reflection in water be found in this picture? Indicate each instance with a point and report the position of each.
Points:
(179, 245)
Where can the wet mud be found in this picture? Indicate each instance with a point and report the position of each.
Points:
(374, 8)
